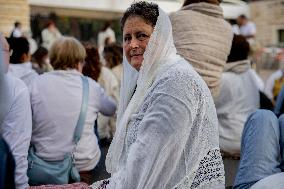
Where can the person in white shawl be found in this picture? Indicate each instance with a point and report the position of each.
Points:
(167, 131)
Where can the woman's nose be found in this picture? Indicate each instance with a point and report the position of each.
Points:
(134, 43)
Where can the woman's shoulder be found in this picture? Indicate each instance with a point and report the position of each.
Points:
(181, 79)
(182, 72)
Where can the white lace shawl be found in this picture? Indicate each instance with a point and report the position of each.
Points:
(160, 56)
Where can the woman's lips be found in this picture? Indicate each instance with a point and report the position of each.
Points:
(136, 55)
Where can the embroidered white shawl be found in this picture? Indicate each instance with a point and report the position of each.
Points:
(167, 133)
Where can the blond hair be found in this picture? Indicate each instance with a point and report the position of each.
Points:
(66, 53)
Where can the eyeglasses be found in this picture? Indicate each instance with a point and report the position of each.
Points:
(8, 52)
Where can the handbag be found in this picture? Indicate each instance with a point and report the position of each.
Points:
(59, 172)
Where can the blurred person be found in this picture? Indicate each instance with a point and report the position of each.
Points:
(20, 66)
(279, 105)
(167, 131)
(7, 162)
(239, 97)
(17, 31)
(105, 37)
(40, 61)
(275, 81)
(262, 152)
(107, 80)
(247, 28)
(15, 116)
(274, 84)
(32, 42)
(50, 34)
(203, 38)
(56, 99)
(113, 54)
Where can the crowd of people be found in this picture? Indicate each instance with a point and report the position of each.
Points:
(176, 98)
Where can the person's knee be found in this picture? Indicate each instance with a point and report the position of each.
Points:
(261, 120)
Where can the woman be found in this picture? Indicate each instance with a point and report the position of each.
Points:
(167, 132)
(106, 79)
(113, 55)
(56, 99)
(40, 61)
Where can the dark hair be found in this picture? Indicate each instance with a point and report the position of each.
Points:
(148, 11)
(239, 50)
(188, 2)
(20, 46)
(114, 52)
(242, 16)
(49, 23)
(106, 25)
(92, 67)
(38, 56)
(17, 24)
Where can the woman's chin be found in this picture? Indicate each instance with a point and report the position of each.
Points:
(136, 64)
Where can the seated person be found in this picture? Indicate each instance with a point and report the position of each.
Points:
(262, 152)
(15, 117)
(56, 99)
(20, 66)
(239, 96)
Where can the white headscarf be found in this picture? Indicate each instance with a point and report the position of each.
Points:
(160, 53)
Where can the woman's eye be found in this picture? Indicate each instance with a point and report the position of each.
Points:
(141, 36)
(126, 39)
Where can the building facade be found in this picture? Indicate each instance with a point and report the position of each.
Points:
(269, 19)
(11, 11)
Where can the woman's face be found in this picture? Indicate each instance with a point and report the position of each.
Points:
(136, 35)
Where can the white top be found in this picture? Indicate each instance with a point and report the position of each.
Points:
(49, 37)
(258, 80)
(17, 32)
(268, 90)
(118, 72)
(23, 71)
(238, 98)
(236, 29)
(16, 128)
(106, 124)
(103, 35)
(56, 99)
(248, 29)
